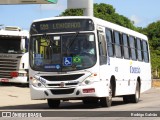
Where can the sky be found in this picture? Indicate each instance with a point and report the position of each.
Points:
(142, 12)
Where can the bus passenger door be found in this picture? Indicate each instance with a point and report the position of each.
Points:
(102, 55)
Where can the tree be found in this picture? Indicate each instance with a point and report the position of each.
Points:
(105, 12)
(153, 33)
(72, 12)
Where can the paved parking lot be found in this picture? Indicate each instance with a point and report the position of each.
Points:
(16, 94)
(18, 97)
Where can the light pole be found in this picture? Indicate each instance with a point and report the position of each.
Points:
(86, 5)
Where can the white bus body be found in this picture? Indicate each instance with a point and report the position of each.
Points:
(118, 62)
(14, 55)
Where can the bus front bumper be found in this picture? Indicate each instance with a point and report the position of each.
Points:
(98, 89)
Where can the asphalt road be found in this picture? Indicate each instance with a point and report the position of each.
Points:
(17, 98)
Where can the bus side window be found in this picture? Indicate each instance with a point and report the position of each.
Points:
(132, 48)
(118, 50)
(145, 51)
(102, 49)
(125, 46)
(139, 49)
(109, 43)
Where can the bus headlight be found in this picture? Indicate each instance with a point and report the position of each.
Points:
(89, 80)
(36, 83)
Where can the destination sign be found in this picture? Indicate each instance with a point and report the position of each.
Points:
(62, 25)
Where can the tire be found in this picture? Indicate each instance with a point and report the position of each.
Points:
(53, 103)
(107, 101)
(133, 98)
(136, 96)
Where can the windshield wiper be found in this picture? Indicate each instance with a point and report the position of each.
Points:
(34, 29)
(72, 40)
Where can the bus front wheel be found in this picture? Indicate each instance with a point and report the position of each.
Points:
(53, 103)
(107, 101)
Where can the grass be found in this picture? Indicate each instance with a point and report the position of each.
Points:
(156, 83)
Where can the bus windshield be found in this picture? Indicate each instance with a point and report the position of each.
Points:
(62, 52)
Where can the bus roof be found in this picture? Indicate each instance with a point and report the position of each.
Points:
(100, 22)
(120, 28)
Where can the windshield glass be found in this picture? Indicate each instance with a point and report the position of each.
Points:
(65, 52)
(10, 44)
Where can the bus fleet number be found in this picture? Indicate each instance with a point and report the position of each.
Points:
(44, 27)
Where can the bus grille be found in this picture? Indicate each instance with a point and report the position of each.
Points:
(62, 77)
(7, 66)
(62, 91)
(66, 84)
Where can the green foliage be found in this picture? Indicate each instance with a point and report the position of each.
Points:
(103, 9)
(153, 33)
(72, 12)
(154, 30)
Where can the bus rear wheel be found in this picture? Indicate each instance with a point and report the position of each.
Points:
(107, 101)
(136, 96)
(133, 98)
(53, 103)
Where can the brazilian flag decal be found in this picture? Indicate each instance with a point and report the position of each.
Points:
(77, 60)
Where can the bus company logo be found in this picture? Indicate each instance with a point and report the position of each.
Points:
(62, 84)
(135, 69)
(5, 56)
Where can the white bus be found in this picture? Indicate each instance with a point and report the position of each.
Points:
(88, 59)
(14, 55)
